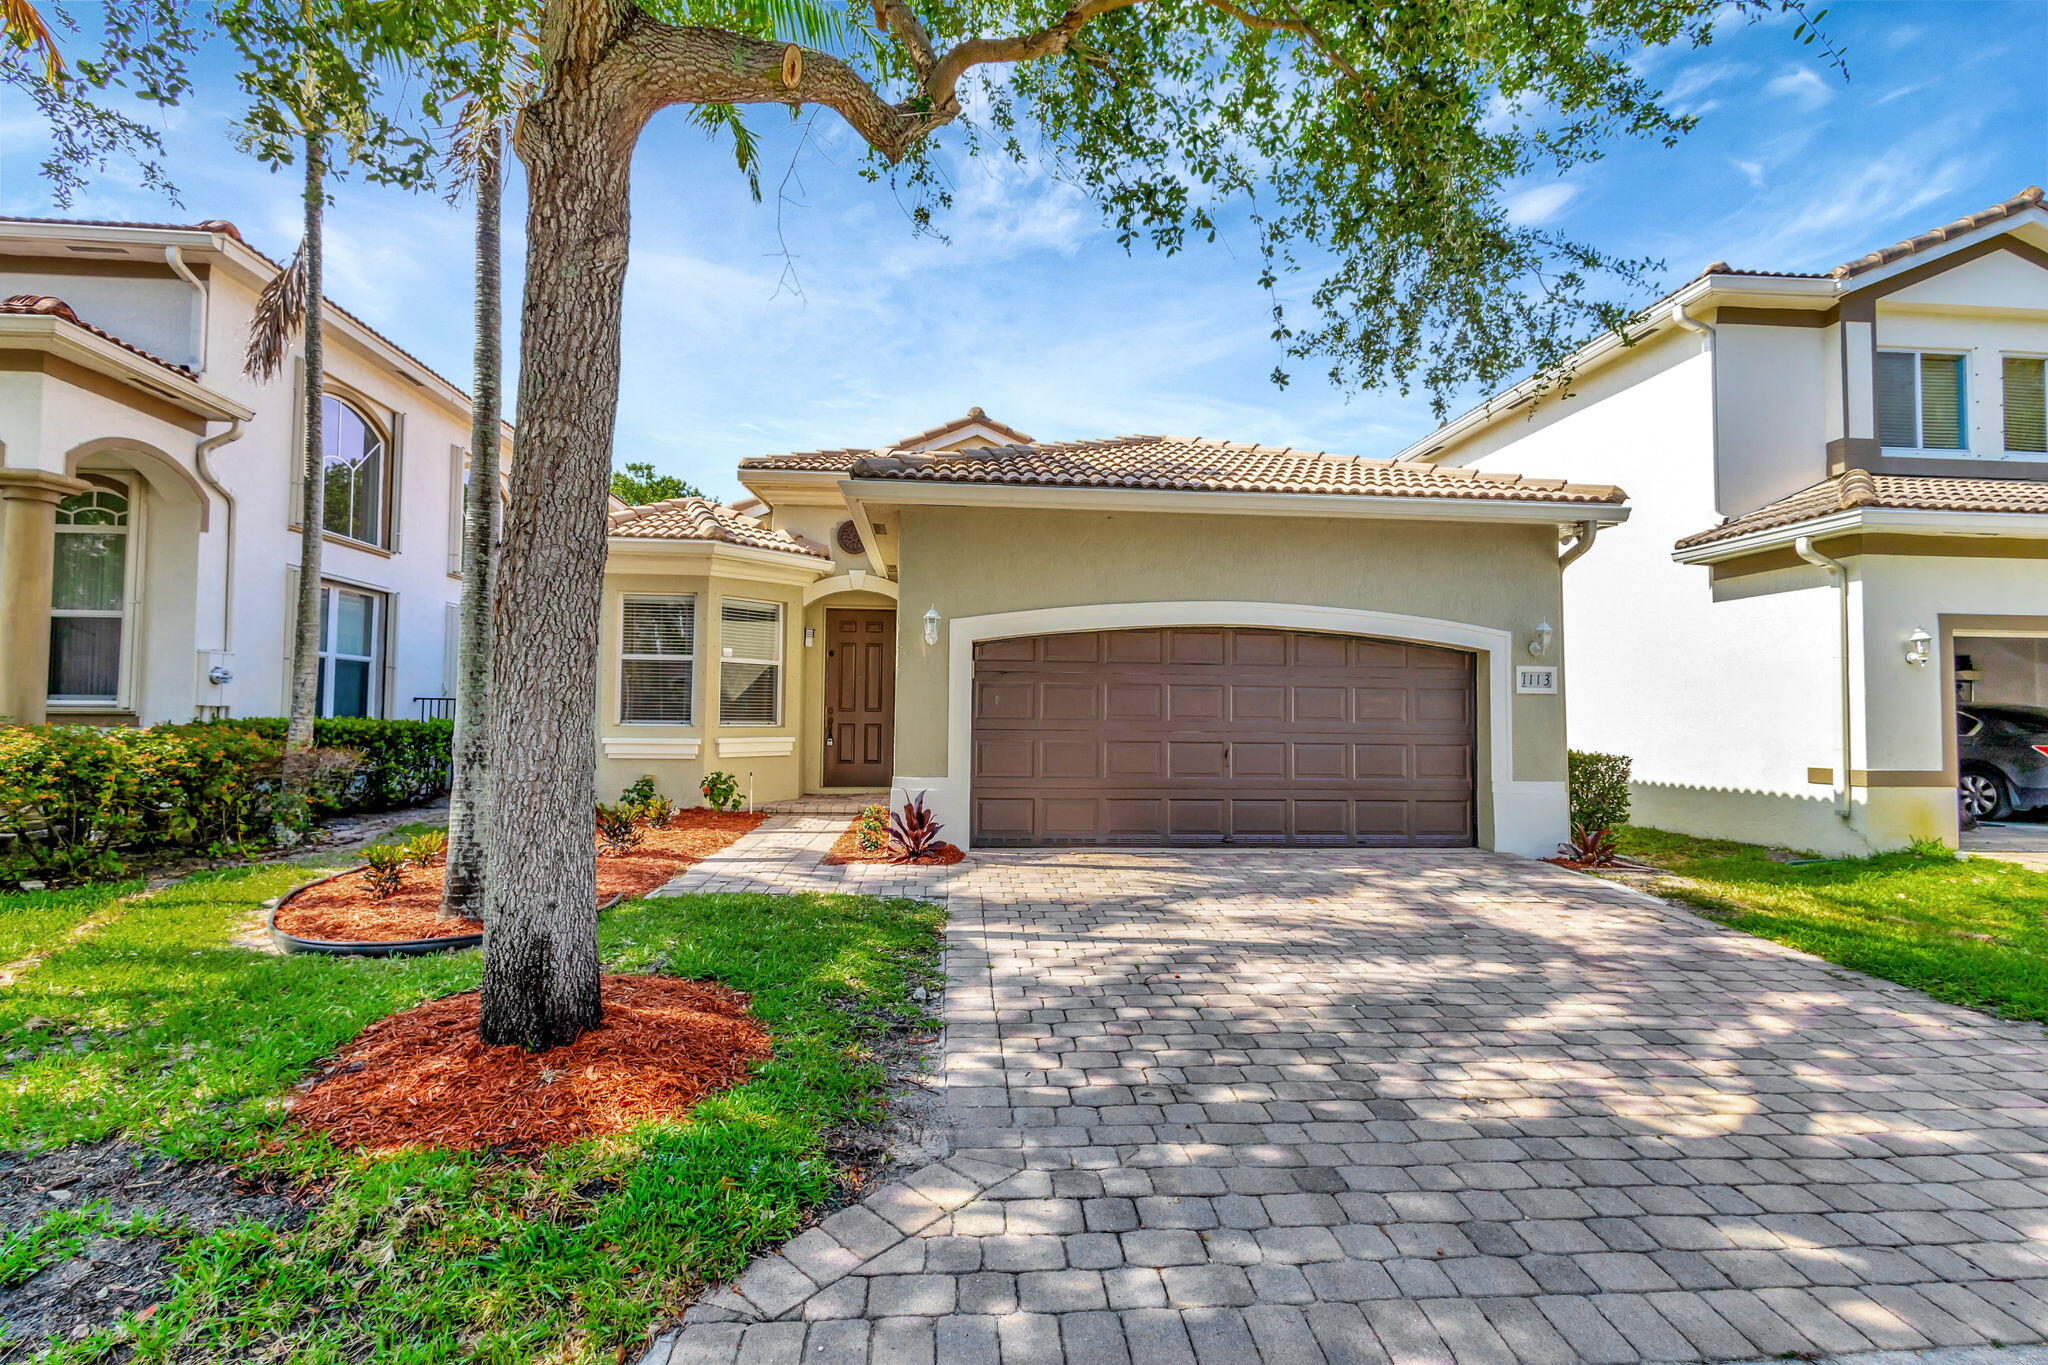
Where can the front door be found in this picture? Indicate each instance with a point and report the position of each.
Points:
(860, 698)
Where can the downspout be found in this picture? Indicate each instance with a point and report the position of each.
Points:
(227, 592)
(1804, 547)
(1580, 544)
(1706, 335)
(175, 259)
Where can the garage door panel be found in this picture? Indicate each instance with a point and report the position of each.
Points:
(1213, 736)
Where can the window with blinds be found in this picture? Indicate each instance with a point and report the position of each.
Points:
(657, 659)
(1920, 401)
(750, 663)
(2026, 403)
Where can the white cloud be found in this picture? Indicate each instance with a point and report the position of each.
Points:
(1538, 204)
(1803, 86)
(1752, 171)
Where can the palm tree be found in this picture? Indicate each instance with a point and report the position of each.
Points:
(479, 154)
(291, 302)
(24, 27)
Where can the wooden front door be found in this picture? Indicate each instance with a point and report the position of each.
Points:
(860, 698)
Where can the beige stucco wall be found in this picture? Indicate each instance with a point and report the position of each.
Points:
(769, 777)
(979, 561)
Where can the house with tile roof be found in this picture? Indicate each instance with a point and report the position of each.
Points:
(1136, 640)
(1839, 553)
(148, 490)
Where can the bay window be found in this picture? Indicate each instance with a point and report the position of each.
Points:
(657, 658)
(749, 663)
(89, 595)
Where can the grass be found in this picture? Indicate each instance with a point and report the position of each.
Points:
(1966, 930)
(191, 1044)
(32, 922)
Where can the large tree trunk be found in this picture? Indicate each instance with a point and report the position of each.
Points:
(540, 986)
(312, 500)
(468, 793)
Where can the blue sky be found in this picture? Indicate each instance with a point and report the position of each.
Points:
(818, 319)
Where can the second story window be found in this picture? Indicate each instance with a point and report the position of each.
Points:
(2026, 404)
(355, 474)
(1920, 401)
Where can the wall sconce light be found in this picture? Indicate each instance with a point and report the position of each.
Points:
(931, 625)
(810, 636)
(1539, 646)
(1916, 647)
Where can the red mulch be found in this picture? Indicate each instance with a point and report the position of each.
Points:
(342, 911)
(425, 1079)
(847, 849)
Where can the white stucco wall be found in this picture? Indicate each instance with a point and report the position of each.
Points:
(183, 600)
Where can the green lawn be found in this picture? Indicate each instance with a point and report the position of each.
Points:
(1967, 930)
(429, 1257)
(32, 922)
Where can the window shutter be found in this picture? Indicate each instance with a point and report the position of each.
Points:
(1941, 402)
(2026, 403)
(1897, 407)
(289, 636)
(451, 647)
(750, 663)
(458, 509)
(387, 645)
(394, 480)
(294, 459)
(657, 658)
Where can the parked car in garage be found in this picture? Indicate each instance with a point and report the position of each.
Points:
(2001, 759)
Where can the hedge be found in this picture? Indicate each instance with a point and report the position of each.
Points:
(74, 796)
(1599, 785)
(402, 762)
(76, 799)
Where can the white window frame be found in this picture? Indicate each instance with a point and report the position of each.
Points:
(131, 580)
(2003, 356)
(379, 604)
(1959, 354)
(726, 656)
(688, 660)
(379, 431)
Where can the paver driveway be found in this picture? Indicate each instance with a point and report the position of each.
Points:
(1295, 1106)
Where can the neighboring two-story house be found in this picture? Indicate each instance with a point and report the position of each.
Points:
(148, 548)
(1840, 484)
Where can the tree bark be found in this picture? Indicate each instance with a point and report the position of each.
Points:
(462, 895)
(313, 493)
(540, 986)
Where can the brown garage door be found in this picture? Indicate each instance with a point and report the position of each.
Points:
(1215, 736)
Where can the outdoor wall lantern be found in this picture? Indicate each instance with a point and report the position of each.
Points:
(1539, 646)
(931, 625)
(1916, 647)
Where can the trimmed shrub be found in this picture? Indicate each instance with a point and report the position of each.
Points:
(1599, 789)
(400, 763)
(75, 796)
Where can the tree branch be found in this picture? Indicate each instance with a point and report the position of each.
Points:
(969, 53)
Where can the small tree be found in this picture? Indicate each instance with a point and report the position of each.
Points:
(638, 484)
(1599, 794)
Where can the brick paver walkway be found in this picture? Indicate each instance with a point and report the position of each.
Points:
(1341, 1106)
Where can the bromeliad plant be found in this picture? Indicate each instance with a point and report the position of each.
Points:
(913, 831)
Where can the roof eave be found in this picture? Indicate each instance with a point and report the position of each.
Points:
(61, 338)
(716, 550)
(910, 492)
(1898, 520)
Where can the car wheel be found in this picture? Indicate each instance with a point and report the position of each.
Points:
(1983, 794)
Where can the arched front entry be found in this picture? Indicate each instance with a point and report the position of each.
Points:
(1214, 735)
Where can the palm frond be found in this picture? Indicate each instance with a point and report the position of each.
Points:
(279, 314)
(746, 148)
(23, 24)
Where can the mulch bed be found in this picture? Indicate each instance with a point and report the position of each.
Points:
(847, 849)
(424, 1078)
(341, 910)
